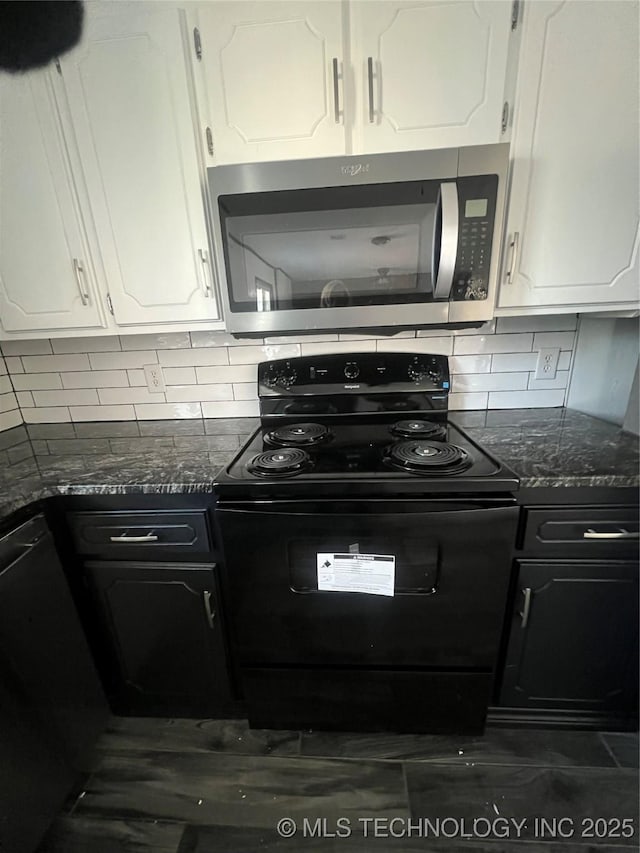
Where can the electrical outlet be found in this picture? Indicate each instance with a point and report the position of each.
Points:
(547, 363)
(155, 377)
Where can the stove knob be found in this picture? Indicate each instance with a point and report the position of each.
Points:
(351, 370)
(287, 378)
(416, 371)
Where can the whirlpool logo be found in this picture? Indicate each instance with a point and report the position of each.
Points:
(355, 169)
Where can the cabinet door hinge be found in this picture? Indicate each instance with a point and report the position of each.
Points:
(515, 14)
(57, 64)
(109, 303)
(209, 136)
(504, 124)
(197, 43)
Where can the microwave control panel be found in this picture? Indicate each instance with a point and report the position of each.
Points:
(476, 217)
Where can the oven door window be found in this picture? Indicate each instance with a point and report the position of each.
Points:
(329, 248)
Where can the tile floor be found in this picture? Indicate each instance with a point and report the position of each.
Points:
(186, 786)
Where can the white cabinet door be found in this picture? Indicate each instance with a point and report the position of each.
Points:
(274, 78)
(46, 273)
(574, 192)
(127, 92)
(429, 74)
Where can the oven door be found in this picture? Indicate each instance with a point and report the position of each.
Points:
(452, 565)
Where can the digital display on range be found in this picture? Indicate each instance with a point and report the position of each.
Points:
(475, 207)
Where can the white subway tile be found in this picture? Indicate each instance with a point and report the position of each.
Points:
(563, 340)
(14, 364)
(232, 409)
(164, 340)
(102, 413)
(202, 338)
(45, 415)
(108, 343)
(193, 357)
(472, 344)
(542, 323)
(439, 346)
(179, 375)
(25, 398)
(340, 347)
(80, 397)
(8, 420)
(237, 373)
(54, 363)
(167, 411)
(5, 385)
(462, 402)
(198, 393)
(41, 347)
(95, 379)
(36, 381)
(560, 381)
(525, 399)
(253, 355)
(245, 391)
(136, 377)
(8, 402)
(120, 396)
(524, 361)
(470, 363)
(490, 382)
(122, 360)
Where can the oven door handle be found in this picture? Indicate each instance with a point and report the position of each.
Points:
(445, 240)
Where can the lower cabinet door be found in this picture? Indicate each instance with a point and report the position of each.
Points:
(574, 638)
(164, 645)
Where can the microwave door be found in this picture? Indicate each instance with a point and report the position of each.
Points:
(445, 240)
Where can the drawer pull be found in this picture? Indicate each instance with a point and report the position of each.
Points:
(621, 533)
(128, 540)
(524, 613)
(211, 613)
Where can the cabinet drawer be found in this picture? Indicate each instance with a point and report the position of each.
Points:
(581, 530)
(140, 532)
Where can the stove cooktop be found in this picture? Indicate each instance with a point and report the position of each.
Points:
(354, 455)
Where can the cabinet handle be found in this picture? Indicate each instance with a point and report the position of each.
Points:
(524, 613)
(204, 260)
(211, 614)
(336, 92)
(370, 78)
(513, 246)
(78, 269)
(149, 537)
(620, 533)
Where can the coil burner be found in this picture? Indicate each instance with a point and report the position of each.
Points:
(427, 457)
(298, 435)
(419, 429)
(280, 463)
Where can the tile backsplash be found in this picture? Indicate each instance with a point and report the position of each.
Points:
(10, 415)
(212, 375)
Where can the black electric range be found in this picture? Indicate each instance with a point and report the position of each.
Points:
(367, 549)
(371, 423)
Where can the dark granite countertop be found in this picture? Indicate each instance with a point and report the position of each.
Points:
(546, 447)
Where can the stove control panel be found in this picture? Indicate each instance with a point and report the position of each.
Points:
(392, 372)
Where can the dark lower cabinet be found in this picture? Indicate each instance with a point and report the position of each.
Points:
(161, 637)
(573, 644)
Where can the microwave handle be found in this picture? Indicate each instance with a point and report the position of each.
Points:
(445, 240)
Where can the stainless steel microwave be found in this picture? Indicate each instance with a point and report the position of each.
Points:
(382, 241)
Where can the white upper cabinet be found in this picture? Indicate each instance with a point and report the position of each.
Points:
(429, 74)
(46, 273)
(273, 75)
(127, 92)
(572, 228)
